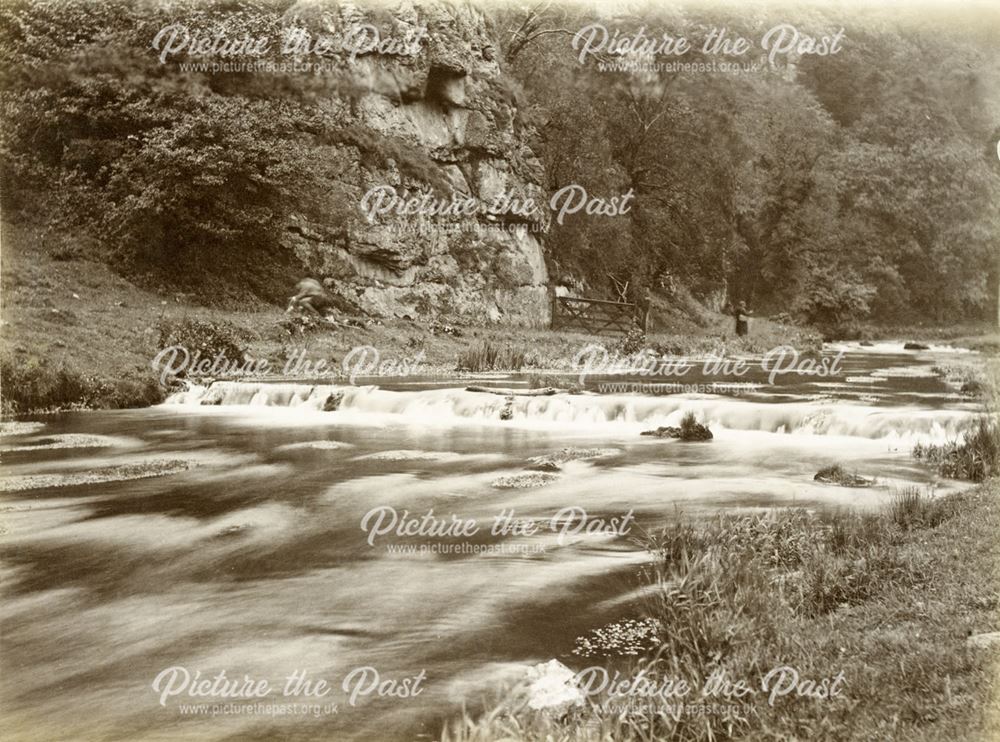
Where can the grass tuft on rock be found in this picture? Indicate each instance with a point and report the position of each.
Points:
(690, 430)
(836, 474)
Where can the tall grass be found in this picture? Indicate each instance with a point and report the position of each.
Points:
(976, 457)
(489, 357)
(910, 509)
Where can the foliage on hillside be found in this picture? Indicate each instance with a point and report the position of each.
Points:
(184, 179)
(859, 183)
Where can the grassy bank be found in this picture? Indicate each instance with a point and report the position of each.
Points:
(76, 334)
(888, 599)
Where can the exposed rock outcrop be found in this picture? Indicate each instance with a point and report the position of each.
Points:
(439, 114)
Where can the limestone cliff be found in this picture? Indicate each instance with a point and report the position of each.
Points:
(444, 105)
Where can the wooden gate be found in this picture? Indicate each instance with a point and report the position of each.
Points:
(595, 316)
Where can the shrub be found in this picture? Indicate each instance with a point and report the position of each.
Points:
(37, 386)
(134, 391)
(209, 338)
(692, 430)
(632, 342)
(836, 474)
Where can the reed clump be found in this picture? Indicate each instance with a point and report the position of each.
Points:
(487, 356)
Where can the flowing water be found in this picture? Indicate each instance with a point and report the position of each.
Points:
(245, 553)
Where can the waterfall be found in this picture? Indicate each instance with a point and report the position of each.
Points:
(583, 411)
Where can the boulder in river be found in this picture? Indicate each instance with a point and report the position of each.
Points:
(836, 474)
(232, 530)
(689, 430)
(972, 386)
(507, 411)
(212, 397)
(915, 346)
(332, 403)
(552, 686)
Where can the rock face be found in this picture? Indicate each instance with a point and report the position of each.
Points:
(434, 120)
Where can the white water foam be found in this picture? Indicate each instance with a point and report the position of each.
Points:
(597, 414)
(891, 347)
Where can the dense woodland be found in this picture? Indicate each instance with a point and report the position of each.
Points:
(861, 184)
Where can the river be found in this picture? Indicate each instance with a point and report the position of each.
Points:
(246, 553)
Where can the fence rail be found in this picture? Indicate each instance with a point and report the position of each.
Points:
(596, 316)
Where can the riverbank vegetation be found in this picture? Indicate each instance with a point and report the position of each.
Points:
(886, 598)
(485, 356)
(32, 384)
(976, 456)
